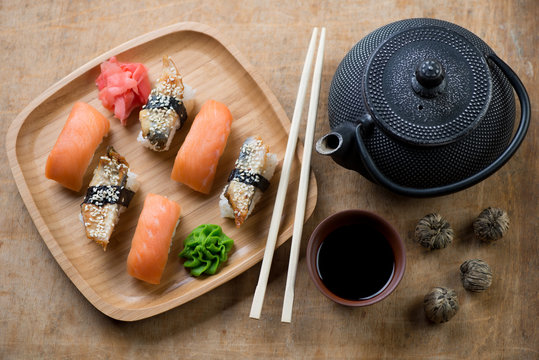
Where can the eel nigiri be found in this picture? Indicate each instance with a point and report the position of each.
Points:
(167, 108)
(153, 237)
(75, 147)
(249, 179)
(110, 192)
(196, 161)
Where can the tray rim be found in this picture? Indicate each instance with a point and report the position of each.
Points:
(113, 311)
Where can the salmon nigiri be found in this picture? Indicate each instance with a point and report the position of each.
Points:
(75, 147)
(153, 236)
(196, 162)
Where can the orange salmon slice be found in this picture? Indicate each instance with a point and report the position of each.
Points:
(75, 147)
(196, 162)
(153, 237)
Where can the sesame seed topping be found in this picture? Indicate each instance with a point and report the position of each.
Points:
(246, 176)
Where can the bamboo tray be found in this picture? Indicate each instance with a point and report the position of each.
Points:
(217, 71)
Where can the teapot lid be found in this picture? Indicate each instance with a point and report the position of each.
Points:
(427, 85)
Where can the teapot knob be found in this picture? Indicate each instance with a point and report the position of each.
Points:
(429, 79)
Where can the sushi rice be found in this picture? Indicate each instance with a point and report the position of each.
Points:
(269, 169)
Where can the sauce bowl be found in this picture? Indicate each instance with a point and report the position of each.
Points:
(362, 219)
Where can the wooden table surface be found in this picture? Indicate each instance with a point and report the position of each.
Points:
(44, 315)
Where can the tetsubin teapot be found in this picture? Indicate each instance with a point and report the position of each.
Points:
(425, 108)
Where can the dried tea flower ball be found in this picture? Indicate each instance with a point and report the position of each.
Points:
(475, 275)
(441, 304)
(491, 224)
(433, 232)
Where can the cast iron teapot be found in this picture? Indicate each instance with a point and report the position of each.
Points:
(425, 108)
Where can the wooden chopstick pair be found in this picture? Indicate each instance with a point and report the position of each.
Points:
(258, 299)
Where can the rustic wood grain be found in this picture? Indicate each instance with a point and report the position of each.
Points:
(45, 316)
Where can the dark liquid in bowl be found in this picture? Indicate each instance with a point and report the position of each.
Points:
(355, 262)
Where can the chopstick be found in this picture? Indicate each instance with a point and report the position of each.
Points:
(260, 291)
(303, 182)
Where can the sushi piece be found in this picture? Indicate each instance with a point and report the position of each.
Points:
(153, 237)
(249, 179)
(196, 162)
(123, 87)
(110, 192)
(75, 147)
(167, 108)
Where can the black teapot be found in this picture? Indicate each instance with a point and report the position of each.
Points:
(425, 108)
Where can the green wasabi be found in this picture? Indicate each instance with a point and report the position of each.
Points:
(205, 248)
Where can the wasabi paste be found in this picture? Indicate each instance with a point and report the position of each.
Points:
(205, 248)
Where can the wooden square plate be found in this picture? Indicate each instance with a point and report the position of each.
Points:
(217, 71)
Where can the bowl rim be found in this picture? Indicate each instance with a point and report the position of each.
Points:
(353, 216)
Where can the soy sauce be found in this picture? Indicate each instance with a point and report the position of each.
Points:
(355, 262)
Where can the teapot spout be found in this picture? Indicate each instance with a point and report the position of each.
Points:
(340, 144)
(330, 144)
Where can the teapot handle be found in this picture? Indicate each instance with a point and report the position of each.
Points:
(525, 110)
